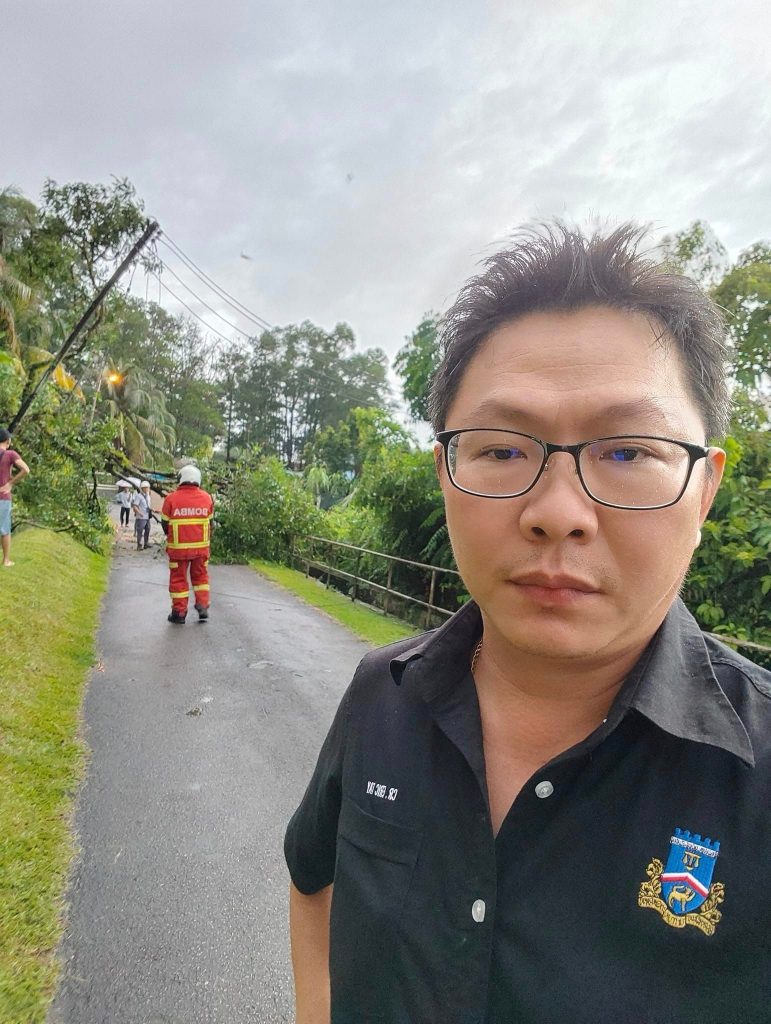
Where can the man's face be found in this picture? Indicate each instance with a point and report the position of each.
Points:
(568, 378)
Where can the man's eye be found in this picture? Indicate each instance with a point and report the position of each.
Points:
(504, 454)
(623, 454)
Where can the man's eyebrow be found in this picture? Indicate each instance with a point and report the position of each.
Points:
(492, 411)
(648, 408)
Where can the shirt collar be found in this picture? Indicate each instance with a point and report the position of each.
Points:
(673, 684)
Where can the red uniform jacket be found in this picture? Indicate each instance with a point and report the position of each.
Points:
(186, 517)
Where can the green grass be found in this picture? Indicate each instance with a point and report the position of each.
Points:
(49, 604)
(369, 625)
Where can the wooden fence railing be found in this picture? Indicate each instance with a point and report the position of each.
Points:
(309, 560)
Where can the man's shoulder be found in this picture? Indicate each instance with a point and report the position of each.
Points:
(728, 663)
(748, 688)
(375, 666)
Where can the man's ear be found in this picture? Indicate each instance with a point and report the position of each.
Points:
(712, 476)
(439, 460)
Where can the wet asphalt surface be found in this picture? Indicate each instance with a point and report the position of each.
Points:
(202, 741)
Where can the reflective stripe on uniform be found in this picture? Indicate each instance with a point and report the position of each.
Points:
(200, 586)
(184, 545)
(174, 565)
(180, 593)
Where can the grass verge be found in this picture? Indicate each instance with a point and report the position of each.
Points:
(365, 623)
(49, 605)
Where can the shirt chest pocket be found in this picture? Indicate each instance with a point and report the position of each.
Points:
(373, 870)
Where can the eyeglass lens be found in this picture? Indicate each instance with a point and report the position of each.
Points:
(632, 472)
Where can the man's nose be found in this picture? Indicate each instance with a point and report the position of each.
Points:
(558, 507)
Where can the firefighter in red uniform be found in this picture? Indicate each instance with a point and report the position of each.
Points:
(186, 520)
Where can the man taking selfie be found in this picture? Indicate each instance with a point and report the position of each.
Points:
(554, 808)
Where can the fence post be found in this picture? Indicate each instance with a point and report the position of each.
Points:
(387, 602)
(430, 598)
(308, 559)
(356, 576)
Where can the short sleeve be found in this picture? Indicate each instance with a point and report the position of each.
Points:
(311, 837)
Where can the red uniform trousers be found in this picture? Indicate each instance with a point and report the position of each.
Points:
(178, 585)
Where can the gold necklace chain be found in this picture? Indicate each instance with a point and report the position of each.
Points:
(475, 656)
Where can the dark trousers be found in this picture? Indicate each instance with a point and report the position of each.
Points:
(124, 516)
(142, 527)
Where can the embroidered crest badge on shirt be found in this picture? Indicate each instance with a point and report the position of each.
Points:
(683, 892)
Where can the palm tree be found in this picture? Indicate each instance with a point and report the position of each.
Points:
(317, 480)
(13, 293)
(145, 425)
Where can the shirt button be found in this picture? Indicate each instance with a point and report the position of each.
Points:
(544, 789)
(478, 911)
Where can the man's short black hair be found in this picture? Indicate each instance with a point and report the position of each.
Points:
(5, 435)
(552, 267)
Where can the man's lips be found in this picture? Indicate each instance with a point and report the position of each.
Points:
(557, 589)
(556, 582)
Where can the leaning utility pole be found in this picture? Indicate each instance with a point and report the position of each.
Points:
(140, 243)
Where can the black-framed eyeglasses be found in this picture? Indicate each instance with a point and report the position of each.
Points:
(629, 471)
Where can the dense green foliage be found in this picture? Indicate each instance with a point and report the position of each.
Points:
(730, 579)
(287, 385)
(263, 509)
(61, 489)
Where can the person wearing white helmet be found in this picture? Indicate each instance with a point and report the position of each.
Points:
(190, 475)
(143, 512)
(124, 501)
(186, 519)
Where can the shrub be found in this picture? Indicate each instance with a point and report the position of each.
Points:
(63, 453)
(264, 509)
(730, 579)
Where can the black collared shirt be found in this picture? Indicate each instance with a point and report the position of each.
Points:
(630, 881)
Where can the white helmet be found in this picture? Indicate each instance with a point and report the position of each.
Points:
(190, 475)
(144, 484)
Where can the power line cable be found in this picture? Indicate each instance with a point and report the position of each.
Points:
(239, 306)
(235, 303)
(202, 275)
(344, 387)
(204, 302)
(190, 311)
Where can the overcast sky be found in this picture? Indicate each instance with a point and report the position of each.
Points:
(367, 155)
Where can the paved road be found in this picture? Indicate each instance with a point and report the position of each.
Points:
(203, 737)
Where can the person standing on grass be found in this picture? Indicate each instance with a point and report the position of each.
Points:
(143, 512)
(554, 809)
(9, 460)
